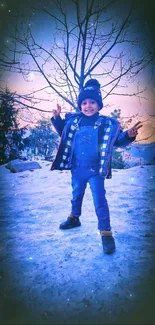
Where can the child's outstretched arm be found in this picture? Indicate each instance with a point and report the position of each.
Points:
(126, 137)
(57, 121)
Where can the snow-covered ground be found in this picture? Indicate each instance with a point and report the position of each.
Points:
(50, 276)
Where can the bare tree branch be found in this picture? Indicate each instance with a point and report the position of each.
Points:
(92, 40)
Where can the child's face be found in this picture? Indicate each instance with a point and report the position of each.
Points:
(89, 107)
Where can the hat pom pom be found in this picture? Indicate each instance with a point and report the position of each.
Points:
(92, 83)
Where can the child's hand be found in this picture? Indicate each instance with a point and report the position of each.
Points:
(134, 130)
(57, 111)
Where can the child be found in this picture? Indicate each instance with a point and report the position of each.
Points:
(85, 148)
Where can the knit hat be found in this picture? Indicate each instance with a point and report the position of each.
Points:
(91, 90)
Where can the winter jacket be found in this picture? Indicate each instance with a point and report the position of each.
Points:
(109, 135)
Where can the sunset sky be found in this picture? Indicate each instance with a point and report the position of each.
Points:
(43, 30)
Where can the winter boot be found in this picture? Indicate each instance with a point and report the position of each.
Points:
(71, 222)
(108, 242)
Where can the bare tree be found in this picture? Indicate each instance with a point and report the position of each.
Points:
(89, 38)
